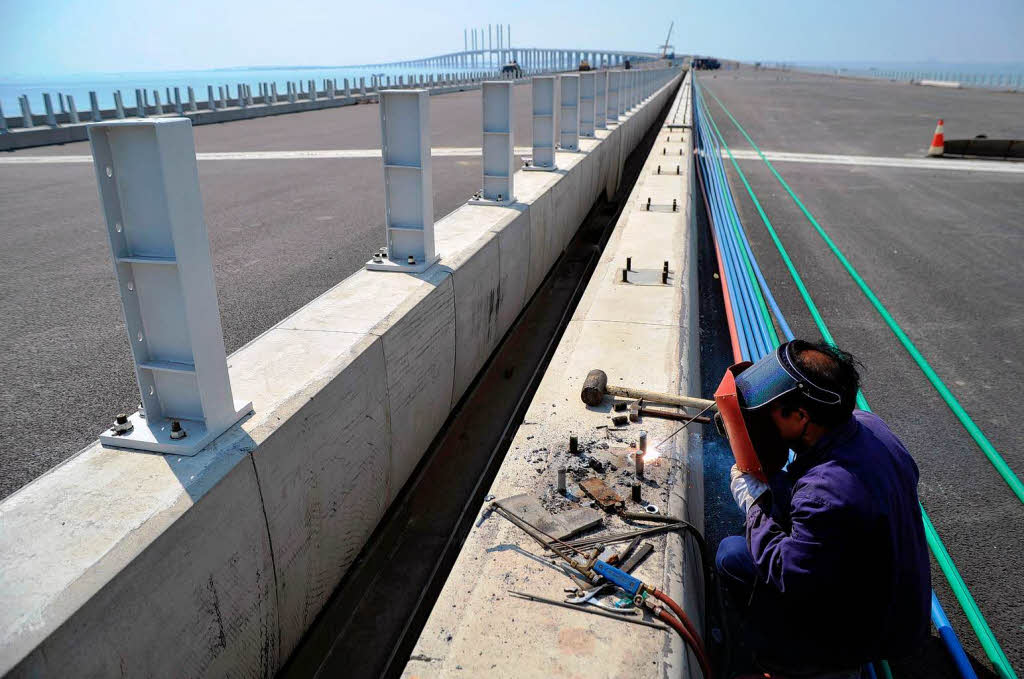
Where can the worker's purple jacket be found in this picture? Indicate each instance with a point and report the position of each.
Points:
(842, 549)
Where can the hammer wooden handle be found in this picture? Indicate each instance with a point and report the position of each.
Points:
(657, 397)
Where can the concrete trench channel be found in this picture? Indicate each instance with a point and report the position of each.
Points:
(371, 622)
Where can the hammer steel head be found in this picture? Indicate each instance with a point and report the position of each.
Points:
(594, 387)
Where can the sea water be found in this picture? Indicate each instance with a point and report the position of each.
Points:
(1002, 75)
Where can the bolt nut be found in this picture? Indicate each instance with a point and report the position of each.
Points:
(176, 431)
(411, 259)
(122, 425)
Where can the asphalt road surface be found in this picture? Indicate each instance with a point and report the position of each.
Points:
(942, 249)
(281, 232)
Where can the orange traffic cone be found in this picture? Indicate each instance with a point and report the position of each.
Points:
(938, 146)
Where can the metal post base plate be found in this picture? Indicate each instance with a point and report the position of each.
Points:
(155, 436)
(402, 267)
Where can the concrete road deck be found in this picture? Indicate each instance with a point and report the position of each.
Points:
(942, 249)
(282, 232)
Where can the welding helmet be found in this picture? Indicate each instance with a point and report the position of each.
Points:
(742, 398)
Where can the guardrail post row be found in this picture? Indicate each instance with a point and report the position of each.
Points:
(149, 190)
(192, 106)
(140, 103)
(408, 185)
(156, 102)
(544, 93)
(601, 100)
(94, 105)
(588, 103)
(178, 107)
(569, 112)
(72, 111)
(211, 101)
(498, 148)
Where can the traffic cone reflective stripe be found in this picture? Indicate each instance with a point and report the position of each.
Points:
(938, 141)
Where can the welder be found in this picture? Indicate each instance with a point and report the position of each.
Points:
(833, 569)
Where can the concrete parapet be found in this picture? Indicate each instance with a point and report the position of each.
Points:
(146, 565)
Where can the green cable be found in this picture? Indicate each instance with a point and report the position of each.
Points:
(956, 582)
(1016, 485)
(886, 670)
(734, 222)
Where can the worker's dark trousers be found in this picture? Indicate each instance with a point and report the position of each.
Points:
(772, 647)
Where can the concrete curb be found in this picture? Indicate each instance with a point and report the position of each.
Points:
(125, 562)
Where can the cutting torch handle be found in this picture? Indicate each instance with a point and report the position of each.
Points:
(617, 577)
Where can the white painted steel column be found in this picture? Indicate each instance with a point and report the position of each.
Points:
(94, 105)
(601, 100)
(72, 111)
(614, 96)
(192, 105)
(178, 107)
(118, 104)
(569, 112)
(156, 102)
(149, 189)
(408, 185)
(211, 101)
(498, 145)
(588, 103)
(545, 94)
(140, 104)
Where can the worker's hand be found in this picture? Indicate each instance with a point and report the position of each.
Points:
(746, 488)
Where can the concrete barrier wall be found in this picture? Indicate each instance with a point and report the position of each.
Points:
(140, 564)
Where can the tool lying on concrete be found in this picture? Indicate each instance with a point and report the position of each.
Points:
(596, 386)
(641, 409)
(641, 593)
(581, 609)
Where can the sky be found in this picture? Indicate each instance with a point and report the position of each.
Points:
(48, 37)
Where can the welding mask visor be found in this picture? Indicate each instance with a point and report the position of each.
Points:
(774, 376)
(743, 416)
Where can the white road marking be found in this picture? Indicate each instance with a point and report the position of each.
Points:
(954, 164)
(450, 152)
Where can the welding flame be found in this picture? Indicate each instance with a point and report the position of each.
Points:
(651, 455)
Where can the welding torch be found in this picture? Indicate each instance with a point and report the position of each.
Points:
(594, 569)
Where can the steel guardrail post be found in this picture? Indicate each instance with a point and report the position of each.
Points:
(569, 112)
(498, 144)
(408, 184)
(544, 90)
(149, 190)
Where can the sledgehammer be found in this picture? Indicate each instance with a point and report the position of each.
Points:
(596, 386)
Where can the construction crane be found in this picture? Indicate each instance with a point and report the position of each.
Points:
(666, 47)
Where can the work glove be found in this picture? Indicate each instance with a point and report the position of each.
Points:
(746, 488)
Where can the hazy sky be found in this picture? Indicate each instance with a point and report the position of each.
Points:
(62, 36)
